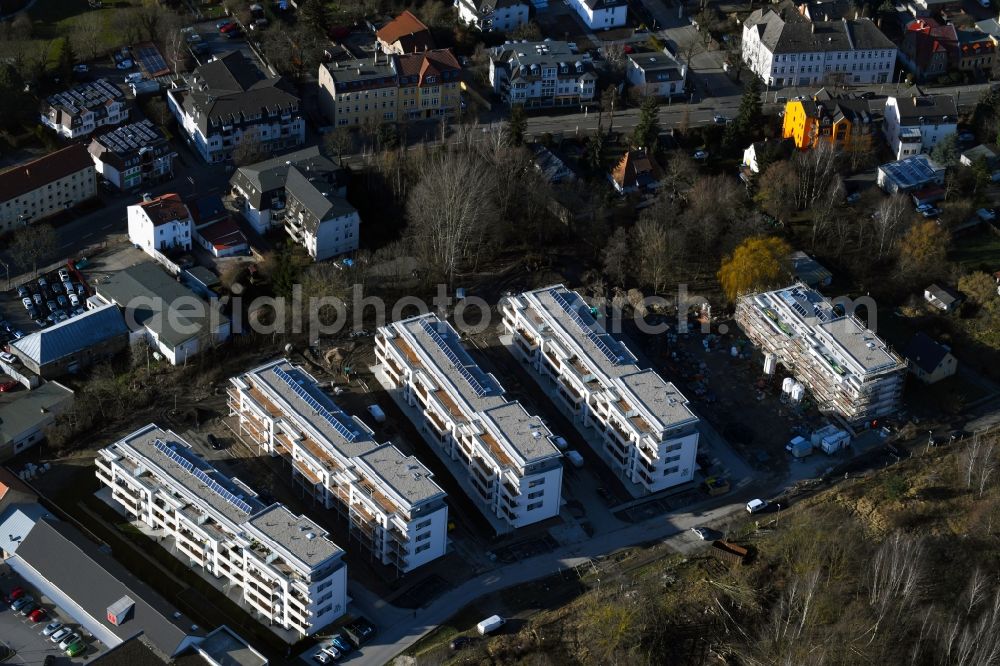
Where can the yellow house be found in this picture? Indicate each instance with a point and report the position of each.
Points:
(844, 122)
(429, 84)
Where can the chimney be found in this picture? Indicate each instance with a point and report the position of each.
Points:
(812, 28)
(915, 100)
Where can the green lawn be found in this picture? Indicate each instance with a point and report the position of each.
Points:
(978, 252)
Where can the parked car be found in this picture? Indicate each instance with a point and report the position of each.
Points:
(76, 649)
(28, 608)
(69, 640)
(39, 299)
(461, 642)
(61, 300)
(17, 333)
(7, 387)
(214, 442)
(16, 594)
(22, 291)
(124, 64)
(60, 634)
(360, 631)
(931, 212)
(26, 302)
(81, 69)
(33, 312)
(719, 119)
(229, 26)
(81, 290)
(332, 651)
(38, 615)
(63, 274)
(51, 628)
(222, 23)
(700, 532)
(700, 155)
(341, 642)
(756, 505)
(74, 300)
(42, 282)
(490, 624)
(322, 657)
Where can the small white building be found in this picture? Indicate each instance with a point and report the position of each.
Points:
(601, 14)
(499, 15)
(161, 224)
(656, 74)
(916, 124)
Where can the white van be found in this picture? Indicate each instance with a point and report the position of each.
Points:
(490, 624)
(376, 413)
(756, 505)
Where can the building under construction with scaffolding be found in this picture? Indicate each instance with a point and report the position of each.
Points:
(849, 370)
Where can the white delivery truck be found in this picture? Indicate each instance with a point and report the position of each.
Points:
(490, 624)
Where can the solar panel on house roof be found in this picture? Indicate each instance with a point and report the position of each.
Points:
(322, 411)
(477, 387)
(585, 328)
(173, 455)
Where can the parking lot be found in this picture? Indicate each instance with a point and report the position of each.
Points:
(25, 637)
(49, 299)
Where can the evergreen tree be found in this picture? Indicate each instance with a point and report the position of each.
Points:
(741, 129)
(65, 59)
(647, 130)
(517, 125)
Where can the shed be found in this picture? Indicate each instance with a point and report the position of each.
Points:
(928, 359)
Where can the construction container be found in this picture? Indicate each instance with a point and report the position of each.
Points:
(770, 364)
(490, 624)
(799, 447)
(786, 385)
(730, 552)
(831, 439)
(798, 392)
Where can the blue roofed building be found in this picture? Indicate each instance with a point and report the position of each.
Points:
(909, 174)
(73, 344)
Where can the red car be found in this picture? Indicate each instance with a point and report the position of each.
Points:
(38, 615)
(16, 593)
(8, 386)
(229, 27)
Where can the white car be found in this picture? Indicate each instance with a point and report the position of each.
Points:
(7, 357)
(69, 640)
(700, 155)
(26, 302)
(74, 300)
(124, 64)
(756, 505)
(700, 532)
(63, 274)
(60, 634)
(52, 627)
(81, 69)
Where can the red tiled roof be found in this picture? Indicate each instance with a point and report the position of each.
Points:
(223, 234)
(404, 25)
(165, 208)
(30, 176)
(428, 63)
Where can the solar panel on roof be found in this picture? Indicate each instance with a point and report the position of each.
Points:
(322, 411)
(222, 491)
(173, 455)
(585, 328)
(477, 387)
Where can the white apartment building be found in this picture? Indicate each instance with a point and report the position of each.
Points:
(160, 224)
(601, 14)
(282, 566)
(916, 124)
(322, 222)
(799, 52)
(503, 457)
(500, 15)
(133, 155)
(648, 434)
(35, 190)
(229, 99)
(391, 503)
(850, 371)
(541, 74)
(82, 109)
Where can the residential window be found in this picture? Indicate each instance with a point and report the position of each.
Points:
(533, 506)
(422, 548)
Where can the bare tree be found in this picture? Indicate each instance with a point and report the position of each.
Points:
(617, 256)
(888, 221)
(87, 33)
(653, 250)
(451, 209)
(816, 168)
(895, 575)
(32, 244)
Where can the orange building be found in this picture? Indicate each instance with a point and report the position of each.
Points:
(841, 121)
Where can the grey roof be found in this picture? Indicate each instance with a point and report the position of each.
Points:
(661, 398)
(259, 178)
(990, 26)
(168, 465)
(362, 442)
(302, 538)
(657, 66)
(946, 295)
(150, 295)
(927, 109)
(518, 58)
(808, 270)
(31, 408)
(364, 73)
(224, 647)
(406, 475)
(15, 523)
(925, 352)
(231, 89)
(527, 435)
(94, 580)
(982, 150)
(860, 343)
(798, 35)
(316, 205)
(73, 335)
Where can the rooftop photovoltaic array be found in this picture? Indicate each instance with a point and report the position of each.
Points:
(322, 411)
(85, 96)
(221, 491)
(612, 356)
(129, 138)
(173, 455)
(479, 389)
